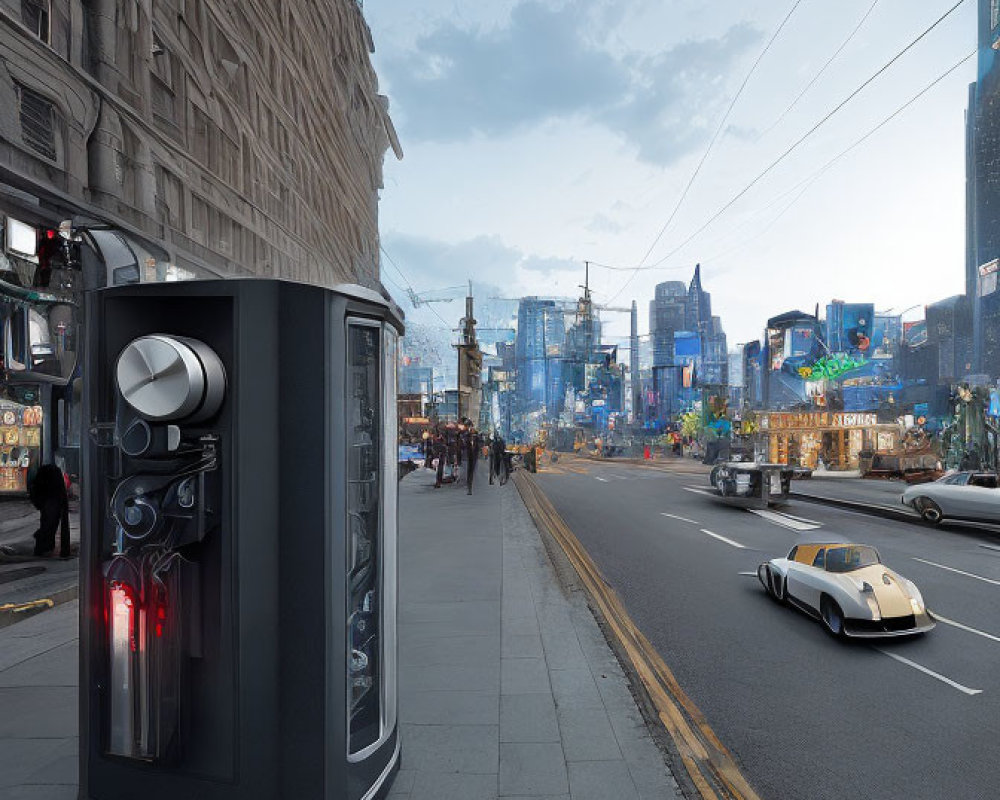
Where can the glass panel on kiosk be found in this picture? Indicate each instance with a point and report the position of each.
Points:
(364, 403)
(390, 490)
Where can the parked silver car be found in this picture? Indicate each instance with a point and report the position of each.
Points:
(961, 495)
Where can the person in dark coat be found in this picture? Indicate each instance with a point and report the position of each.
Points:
(473, 446)
(48, 495)
(497, 461)
(440, 453)
(490, 447)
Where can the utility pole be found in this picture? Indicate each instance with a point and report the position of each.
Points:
(633, 352)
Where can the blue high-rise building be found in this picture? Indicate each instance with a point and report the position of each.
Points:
(538, 351)
(689, 344)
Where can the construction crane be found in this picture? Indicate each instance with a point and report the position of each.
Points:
(417, 299)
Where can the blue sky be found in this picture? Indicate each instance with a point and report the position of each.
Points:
(539, 134)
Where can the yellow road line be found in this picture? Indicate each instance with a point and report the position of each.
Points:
(705, 758)
(17, 608)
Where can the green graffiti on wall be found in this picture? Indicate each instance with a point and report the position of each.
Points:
(829, 368)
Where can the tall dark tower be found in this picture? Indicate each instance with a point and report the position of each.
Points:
(983, 195)
(699, 306)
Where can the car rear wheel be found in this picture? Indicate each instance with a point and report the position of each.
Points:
(929, 510)
(833, 617)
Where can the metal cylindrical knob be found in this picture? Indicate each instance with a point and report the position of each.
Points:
(171, 378)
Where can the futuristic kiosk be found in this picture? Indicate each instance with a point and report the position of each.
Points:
(238, 609)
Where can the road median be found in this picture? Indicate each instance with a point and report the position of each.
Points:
(709, 765)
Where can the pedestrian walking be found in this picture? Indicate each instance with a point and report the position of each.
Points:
(497, 461)
(490, 442)
(48, 495)
(441, 453)
(473, 444)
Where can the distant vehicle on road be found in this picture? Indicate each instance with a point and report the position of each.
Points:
(848, 588)
(961, 495)
(756, 485)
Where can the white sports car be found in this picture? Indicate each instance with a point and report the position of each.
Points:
(847, 587)
(963, 495)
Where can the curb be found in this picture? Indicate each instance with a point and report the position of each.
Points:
(12, 613)
(872, 510)
(709, 766)
(884, 512)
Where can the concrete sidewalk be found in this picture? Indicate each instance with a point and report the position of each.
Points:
(507, 686)
(28, 584)
(38, 706)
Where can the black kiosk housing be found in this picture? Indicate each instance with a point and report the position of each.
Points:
(238, 606)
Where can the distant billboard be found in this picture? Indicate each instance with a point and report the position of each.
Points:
(915, 333)
(799, 341)
(857, 321)
(687, 345)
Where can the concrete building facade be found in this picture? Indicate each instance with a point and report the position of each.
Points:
(240, 137)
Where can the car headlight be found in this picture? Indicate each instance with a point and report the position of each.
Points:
(917, 604)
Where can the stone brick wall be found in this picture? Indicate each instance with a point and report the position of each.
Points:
(246, 136)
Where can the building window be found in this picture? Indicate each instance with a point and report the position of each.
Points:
(169, 198)
(201, 127)
(199, 220)
(38, 119)
(35, 16)
(129, 168)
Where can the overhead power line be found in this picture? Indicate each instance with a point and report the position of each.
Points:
(407, 282)
(840, 155)
(812, 130)
(711, 144)
(800, 188)
(822, 70)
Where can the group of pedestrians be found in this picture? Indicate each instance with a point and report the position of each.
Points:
(457, 450)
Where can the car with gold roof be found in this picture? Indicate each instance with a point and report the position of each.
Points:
(848, 588)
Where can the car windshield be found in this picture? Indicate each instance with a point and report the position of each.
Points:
(847, 559)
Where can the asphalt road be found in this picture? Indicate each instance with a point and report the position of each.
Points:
(806, 716)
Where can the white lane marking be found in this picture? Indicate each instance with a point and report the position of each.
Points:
(933, 674)
(599, 478)
(722, 539)
(784, 520)
(990, 546)
(682, 519)
(748, 574)
(959, 571)
(800, 519)
(697, 490)
(959, 625)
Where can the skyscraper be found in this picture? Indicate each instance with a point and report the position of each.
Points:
(667, 314)
(983, 186)
(689, 344)
(538, 348)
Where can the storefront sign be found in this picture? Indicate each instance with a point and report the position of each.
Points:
(816, 419)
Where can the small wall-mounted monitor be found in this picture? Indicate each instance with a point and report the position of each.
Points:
(22, 239)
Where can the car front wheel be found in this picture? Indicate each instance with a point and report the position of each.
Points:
(773, 583)
(929, 510)
(833, 617)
